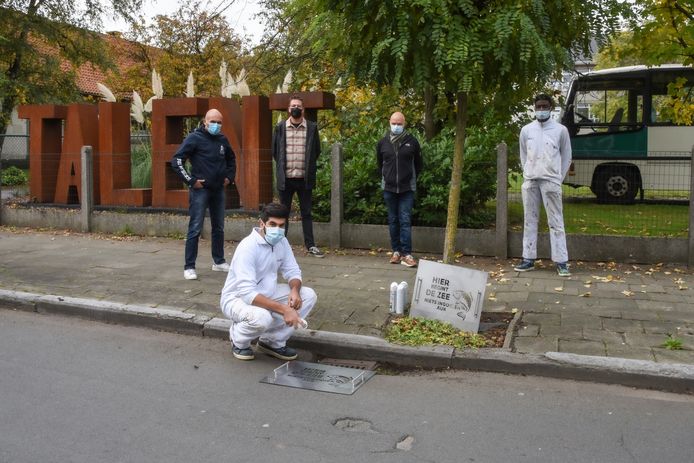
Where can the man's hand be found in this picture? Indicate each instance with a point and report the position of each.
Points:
(295, 299)
(291, 317)
(226, 181)
(199, 184)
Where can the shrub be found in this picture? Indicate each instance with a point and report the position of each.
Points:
(13, 176)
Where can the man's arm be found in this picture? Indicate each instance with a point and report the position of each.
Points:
(179, 158)
(231, 164)
(565, 151)
(379, 158)
(523, 150)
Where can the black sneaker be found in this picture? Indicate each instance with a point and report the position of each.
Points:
(525, 265)
(242, 354)
(282, 353)
(315, 252)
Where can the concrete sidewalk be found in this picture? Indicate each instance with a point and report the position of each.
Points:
(604, 310)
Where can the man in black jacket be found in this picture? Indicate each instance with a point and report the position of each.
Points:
(399, 160)
(295, 149)
(213, 167)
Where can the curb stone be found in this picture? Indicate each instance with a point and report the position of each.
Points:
(637, 373)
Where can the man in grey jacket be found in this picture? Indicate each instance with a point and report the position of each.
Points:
(545, 152)
(295, 149)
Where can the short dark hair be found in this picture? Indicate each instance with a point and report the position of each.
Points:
(296, 97)
(544, 97)
(276, 210)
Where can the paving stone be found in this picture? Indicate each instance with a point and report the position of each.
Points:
(538, 345)
(649, 289)
(541, 319)
(640, 314)
(652, 327)
(603, 335)
(582, 346)
(629, 352)
(515, 296)
(528, 330)
(622, 326)
(586, 321)
(667, 297)
(674, 356)
(574, 331)
(644, 340)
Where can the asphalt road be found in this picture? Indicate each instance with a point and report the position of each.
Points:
(78, 391)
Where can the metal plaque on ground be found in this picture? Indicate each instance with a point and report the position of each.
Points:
(449, 293)
(319, 377)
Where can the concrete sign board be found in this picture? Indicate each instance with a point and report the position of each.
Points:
(449, 293)
(319, 377)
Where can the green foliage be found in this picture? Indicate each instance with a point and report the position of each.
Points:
(363, 195)
(43, 43)
(672, 343)
(422, 331)
(13, 176)
(141, 165)
(126, 231)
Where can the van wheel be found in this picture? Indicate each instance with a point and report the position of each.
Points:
(617, 185)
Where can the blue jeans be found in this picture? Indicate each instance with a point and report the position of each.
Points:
(400, 220)
(200, 200)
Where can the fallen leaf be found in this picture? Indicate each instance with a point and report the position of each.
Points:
(514, 310)
(559, 289)
(682, 288)
(584, 294)
(628, 293)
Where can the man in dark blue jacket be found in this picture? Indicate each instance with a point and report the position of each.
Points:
(213, 167)
(399, 160)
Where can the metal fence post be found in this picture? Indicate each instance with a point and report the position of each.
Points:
(87, 196)
(336, 196)
(501, 201)
(690, 260)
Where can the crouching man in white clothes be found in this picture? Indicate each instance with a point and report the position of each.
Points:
(257, 305)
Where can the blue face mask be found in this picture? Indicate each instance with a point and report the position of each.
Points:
(542, 114)
(213, 128)
(273, 235)
(396, 129)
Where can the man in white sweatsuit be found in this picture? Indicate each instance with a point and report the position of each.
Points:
(545, 153)
(257, 305)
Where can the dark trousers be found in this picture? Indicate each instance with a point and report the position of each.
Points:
(200, 200)
(399, 207)
(298, 186)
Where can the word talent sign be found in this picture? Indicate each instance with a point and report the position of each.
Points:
(450, 294)
(58, 132)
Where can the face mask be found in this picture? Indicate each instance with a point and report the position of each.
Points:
(213, 128)
(542, 115)
(295, 112)
(396, 129)
(273, 235)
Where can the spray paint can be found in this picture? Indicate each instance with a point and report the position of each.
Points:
(393, 297)
(401, 297)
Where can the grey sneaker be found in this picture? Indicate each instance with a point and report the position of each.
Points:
(282, 353)
(315, 252)
(525, 265)
(223, 267)
(242, 354)
(563, 270)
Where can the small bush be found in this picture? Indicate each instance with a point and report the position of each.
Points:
(12, 176)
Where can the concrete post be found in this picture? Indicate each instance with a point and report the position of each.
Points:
(87, 190)
(690, 261)
(336, 197)
(501, 248)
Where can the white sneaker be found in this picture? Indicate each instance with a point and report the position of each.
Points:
(189, 274)
(223, 267)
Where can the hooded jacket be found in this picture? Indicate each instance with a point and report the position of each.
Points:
(545, 151)
(211, 159)
(399, 164)
(279, 153)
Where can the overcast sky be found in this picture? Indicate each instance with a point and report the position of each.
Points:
(240, 15)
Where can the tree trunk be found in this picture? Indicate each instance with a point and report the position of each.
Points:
(456, 175)
(429, 123)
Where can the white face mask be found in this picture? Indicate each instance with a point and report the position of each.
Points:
(273, 235)
(542, 114)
